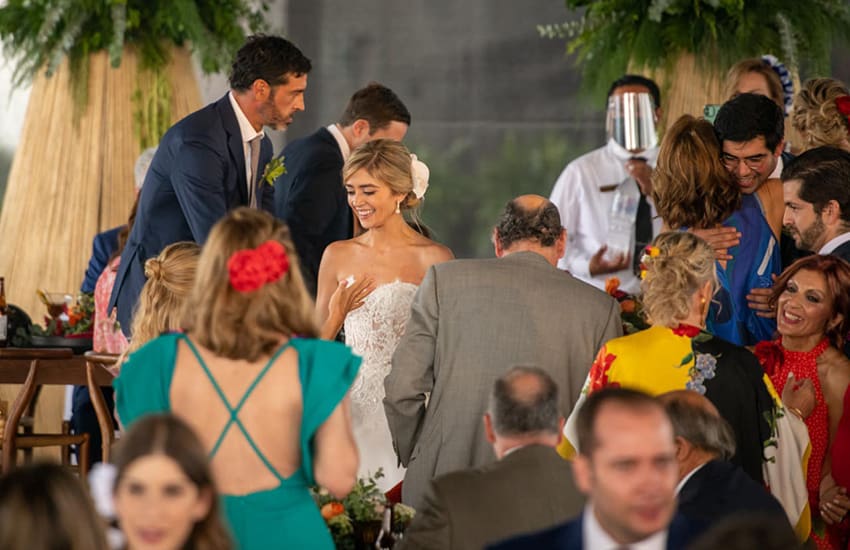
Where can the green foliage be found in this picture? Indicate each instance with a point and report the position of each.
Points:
(41, 33)
(466, 197)
(611, 34)
(152, 110)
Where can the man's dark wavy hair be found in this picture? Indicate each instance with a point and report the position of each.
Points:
(269, 58)
(541, 224)
(748, 116)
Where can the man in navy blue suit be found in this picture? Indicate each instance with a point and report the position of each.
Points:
(710, 487)
(310, 196)
(627, 468)
(211, 161)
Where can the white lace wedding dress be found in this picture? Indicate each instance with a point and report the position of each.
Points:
(373, 332)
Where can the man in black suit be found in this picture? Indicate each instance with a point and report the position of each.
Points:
(310, 196)
(711, 488)
(627, 468)
(211, 161)
(816, 186)
(529, 487)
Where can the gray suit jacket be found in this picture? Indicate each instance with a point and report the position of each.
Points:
(528, 490)
(470, 321)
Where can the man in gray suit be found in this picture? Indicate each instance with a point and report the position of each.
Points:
(529, 488)
(471, 318)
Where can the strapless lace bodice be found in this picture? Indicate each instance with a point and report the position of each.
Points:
(373, 332)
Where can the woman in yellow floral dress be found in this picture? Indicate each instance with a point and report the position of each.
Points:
(676, 352)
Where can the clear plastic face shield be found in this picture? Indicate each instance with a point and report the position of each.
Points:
(630, 121)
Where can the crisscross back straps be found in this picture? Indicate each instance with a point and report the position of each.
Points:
(234, 411)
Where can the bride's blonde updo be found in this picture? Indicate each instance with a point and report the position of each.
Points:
(388, 161)
(681, 264)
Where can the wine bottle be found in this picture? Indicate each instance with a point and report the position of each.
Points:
(4, 316)
(386, 538)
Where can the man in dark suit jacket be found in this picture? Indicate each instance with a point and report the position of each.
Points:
(711, 488)
(816, 186)
(205, 162)
(529, 487)
(310, 197)
(627, 468)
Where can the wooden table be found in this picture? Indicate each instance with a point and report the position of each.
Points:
(34, 367)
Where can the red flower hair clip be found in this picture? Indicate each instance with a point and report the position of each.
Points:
(843, 104)
(252, 268)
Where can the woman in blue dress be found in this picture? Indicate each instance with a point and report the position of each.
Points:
(267, 400)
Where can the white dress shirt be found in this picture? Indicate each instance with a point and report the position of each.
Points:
(778, 170)
(584, 193)
(834, 243)
(246, 130)
(688, 477)
(340, 140)
(595, 537)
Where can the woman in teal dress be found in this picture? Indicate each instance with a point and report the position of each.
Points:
(268, 401)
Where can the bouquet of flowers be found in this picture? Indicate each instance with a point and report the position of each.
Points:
(355, 521)
(631, 309)
(75, 320)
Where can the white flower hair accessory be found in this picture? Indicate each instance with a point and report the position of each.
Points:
(420, 174)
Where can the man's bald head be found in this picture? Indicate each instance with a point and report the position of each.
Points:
(697, 421)
(524, 401)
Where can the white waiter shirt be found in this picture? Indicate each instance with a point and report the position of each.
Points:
(584, 193)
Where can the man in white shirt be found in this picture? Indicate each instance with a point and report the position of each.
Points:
(627, 468)
(584, 193)
(310, 196)
(816, 188)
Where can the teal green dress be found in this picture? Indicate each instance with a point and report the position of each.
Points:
(283, 517)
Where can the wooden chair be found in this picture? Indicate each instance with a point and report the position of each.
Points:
(37, 374)
(104, 415)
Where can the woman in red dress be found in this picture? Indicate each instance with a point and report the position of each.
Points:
(812, 303)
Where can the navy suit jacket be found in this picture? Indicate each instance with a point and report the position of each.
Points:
(103, 246)
(197, 175)
(310, 198)
(569, 536)
(720, 489)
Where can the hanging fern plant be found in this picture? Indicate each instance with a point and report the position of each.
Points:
(40, 34)
(612, 35)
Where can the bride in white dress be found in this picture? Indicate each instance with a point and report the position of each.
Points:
(367, 284)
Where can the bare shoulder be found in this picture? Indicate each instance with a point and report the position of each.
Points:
(340, 248)
(434, 253)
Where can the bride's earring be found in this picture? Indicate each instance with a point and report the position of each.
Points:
(398, 207)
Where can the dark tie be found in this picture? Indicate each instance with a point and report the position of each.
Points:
(254, 146)
(643, 229)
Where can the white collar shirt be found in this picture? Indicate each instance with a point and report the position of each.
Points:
(688, 477)
(247, 131)
(340, 140)
(596, 538)
(584, 193)
(778, 170)
(830, 246)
